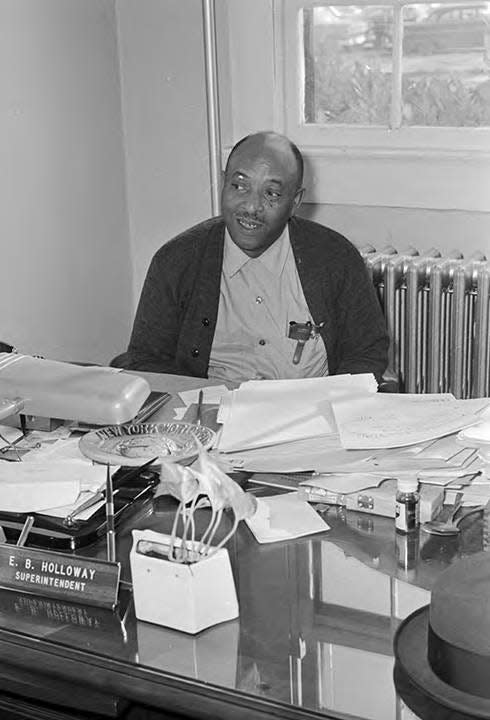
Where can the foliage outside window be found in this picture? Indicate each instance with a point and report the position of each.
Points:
(397, 65)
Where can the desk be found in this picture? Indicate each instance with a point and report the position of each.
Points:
(313, 640)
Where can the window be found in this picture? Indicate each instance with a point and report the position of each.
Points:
(353, 73)
(395, 146)
(393, 70)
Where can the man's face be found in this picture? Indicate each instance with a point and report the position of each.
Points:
(260, 193)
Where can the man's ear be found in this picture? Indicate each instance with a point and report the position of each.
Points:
(298, 199)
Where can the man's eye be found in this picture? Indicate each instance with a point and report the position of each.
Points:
(238, 186)
(273, 195)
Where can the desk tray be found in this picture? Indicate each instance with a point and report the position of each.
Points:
(51, 532)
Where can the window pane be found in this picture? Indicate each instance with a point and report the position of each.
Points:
(347, 64)
(446, 66)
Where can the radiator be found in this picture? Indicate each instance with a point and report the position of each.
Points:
(437, 314)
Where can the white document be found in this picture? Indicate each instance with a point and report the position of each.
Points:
(65, 453)
(395, 420)
(284, 517)
(268, 412)
(57, 449)
(477, 435)
(210, 395)
(37, 487)
(64, 510)
(32, 488)
(179, 413)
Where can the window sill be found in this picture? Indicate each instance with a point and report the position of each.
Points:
(415, 177)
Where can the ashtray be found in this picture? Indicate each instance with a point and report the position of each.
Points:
(136, 444)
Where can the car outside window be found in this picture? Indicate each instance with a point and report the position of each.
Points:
(422, 66)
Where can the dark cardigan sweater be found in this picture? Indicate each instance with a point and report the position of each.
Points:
(176, 316)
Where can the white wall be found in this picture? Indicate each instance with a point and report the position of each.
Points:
(75, 245)
(65, 287)
(165, 125)
(95, 176)
(402, 228)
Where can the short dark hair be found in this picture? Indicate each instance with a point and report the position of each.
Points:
(294, 149)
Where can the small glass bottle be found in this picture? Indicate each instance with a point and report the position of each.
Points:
(407, 505)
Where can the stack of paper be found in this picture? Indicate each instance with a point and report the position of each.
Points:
(274, 412)
(344, 430)
(396, 420)
(441, 458)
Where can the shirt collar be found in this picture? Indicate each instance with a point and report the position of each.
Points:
(274, 258)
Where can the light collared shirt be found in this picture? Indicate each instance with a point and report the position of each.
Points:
(259, 297)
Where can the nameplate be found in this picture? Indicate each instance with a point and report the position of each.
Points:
(57, 575)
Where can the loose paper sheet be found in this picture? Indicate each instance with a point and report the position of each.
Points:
(284, 517)
(37, 487)
(396, 420)
(64, 510)
(476, 435)
(269, 412)
(32, 488)
(210, 395)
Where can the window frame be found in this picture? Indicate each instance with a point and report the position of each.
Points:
(289, 53)
(423, 168)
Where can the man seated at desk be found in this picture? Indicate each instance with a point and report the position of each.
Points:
(258, 293)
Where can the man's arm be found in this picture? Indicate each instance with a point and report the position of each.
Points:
(339, 291)
(176, 316)
(156, 328)
(363, 338)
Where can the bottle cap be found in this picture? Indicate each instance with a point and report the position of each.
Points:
(408, 484)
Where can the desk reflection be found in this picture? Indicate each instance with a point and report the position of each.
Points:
(210, 656)
(318, 616)
(316, 624)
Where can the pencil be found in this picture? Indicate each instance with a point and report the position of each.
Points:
(26, 529)
(109, 512)
(199, 408)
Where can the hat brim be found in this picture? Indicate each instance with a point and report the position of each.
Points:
(410, 645)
